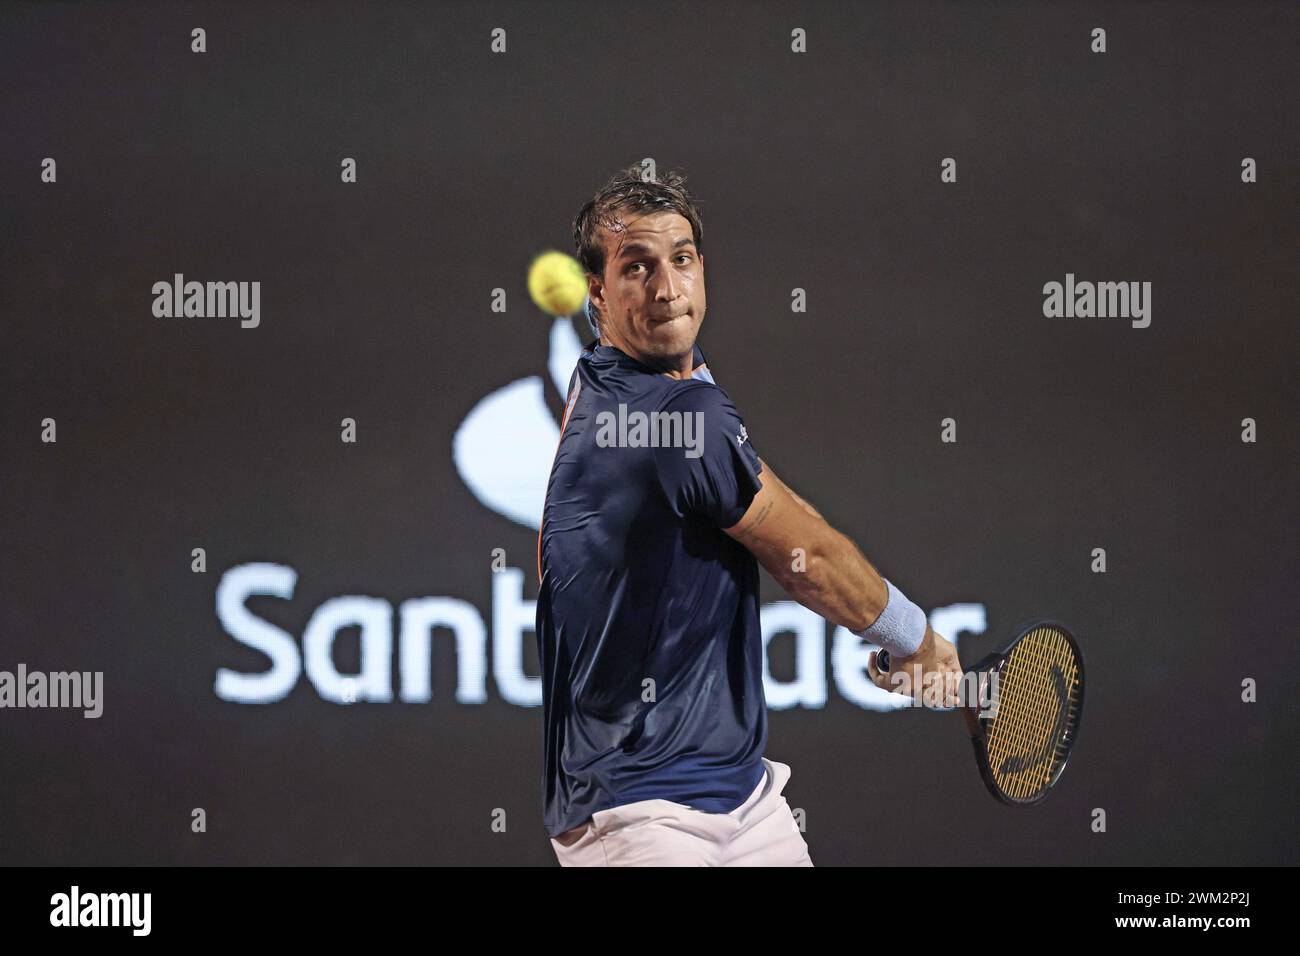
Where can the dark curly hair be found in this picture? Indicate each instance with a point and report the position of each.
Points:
(628, 192)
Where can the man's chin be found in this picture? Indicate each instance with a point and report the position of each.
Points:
(672, 347)
(674, 337)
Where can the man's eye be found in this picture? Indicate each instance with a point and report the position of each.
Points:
(686, 256)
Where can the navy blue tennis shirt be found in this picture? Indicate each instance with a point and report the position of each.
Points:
(647, 615)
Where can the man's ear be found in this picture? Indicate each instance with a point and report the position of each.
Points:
(595, 294)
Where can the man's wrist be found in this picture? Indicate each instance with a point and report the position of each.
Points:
(901, 628)
(927, 642)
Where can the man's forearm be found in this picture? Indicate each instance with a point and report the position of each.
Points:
(834, 578)
(829, 574)
(824, 570)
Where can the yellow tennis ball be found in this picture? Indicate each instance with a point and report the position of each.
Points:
(556, 283)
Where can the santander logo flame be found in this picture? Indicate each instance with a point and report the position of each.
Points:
(504, 447)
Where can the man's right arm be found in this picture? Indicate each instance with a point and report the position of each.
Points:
(825, 571)
(816, 565)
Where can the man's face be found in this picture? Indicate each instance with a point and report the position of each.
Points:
(652, 293)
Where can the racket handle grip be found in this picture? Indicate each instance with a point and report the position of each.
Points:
(882, 661)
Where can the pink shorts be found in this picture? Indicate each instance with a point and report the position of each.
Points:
(760, 832)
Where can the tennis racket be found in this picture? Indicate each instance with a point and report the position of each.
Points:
(1037, 706)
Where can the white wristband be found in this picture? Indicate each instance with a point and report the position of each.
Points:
(901, 626)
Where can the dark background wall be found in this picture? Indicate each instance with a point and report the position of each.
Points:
(818, 171)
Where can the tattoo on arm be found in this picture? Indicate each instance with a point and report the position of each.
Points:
(758, 519)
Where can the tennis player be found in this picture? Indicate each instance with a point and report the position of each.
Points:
(658, 512)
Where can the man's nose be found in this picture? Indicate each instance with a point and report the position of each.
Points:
(667, 286)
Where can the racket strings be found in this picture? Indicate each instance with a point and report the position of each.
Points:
(1026, 739)
(1043, 711)
(1025, 755)
(1017, 748)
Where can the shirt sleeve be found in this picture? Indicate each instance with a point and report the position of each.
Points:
(715, 474)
